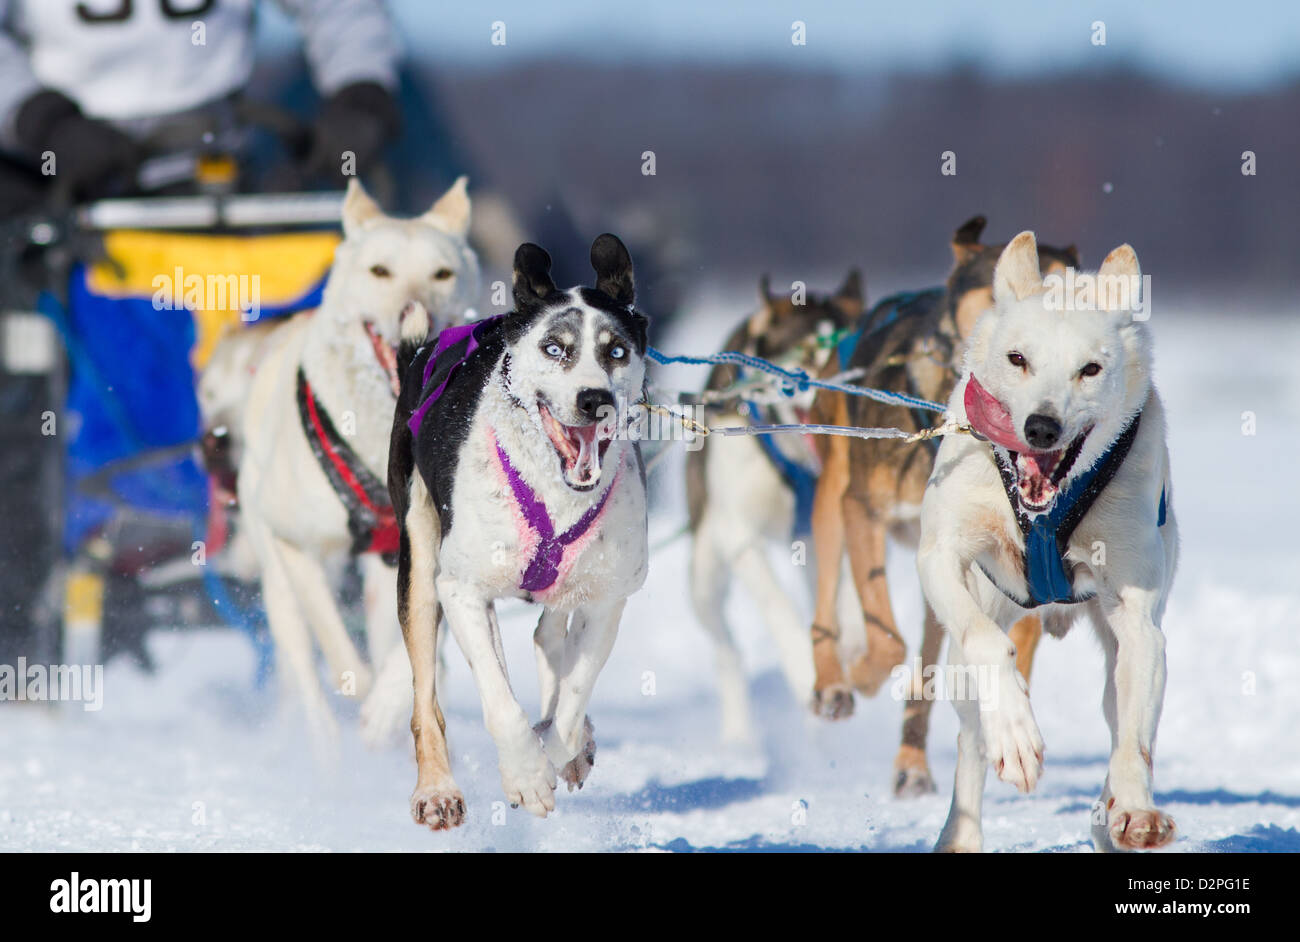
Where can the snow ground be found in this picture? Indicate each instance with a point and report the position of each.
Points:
(194, 758)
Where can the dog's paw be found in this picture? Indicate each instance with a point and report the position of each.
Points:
(1146, 829)
(577, 769)
(833, 702)
(1012, 742)
(869, 671)
(912, 776)
(440, 808)
(528, 778)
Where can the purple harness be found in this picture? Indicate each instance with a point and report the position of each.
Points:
(544, 568)
(448, 337)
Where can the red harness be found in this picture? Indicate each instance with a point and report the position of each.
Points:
(371, 520)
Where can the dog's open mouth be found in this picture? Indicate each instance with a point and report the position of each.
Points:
(386, 354)
(581, 448)
(1039, 474)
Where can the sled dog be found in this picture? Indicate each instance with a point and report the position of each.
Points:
(1060, 504)
(312, 444)
(513, 475)
(910, 342)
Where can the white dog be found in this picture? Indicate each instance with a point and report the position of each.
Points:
(1063, 500)
(314, 445)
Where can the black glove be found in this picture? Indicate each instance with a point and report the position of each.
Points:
(87, 153)
(360, 118)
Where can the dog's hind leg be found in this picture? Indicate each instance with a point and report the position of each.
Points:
(569, 740)
(1126, 817)
(885, 647)
(709, 577)
(911, 770)
(383, 629)
(963, 831)
(755, 571)
(390, 696)
(548, 647)
(436, 801)
(832, 695)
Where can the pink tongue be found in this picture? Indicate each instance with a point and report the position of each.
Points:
(387, 358)
(587, 464)
(990, 418)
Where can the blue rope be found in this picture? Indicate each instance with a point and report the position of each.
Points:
(797, 380)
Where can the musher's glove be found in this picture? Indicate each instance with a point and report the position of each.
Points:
(358, 119)
(87, 153)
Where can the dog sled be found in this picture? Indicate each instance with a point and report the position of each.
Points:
(112, 311)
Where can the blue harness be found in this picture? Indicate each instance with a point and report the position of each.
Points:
(800, 479)
(1047, 535)
(886, 312)
(879, 317)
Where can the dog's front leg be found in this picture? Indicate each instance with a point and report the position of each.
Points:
(1011, 740)
(832, 695)
(569, 740)
(1127, 818)
(527, 775)
(292, 636)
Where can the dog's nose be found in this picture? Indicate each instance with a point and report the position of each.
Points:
(591, 401)
(1042, 431)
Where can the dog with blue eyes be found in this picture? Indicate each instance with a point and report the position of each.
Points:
(513, 474)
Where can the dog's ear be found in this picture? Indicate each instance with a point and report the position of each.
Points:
(1121, 263)
(613, 269)
(532, 282)
(451, 211)
(358, 208)
(851, 290)
(1016, 276)
(765, 290)
(966, 240)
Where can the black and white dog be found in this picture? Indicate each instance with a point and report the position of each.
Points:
(512, 475)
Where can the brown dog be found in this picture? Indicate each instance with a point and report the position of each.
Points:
(870, 488)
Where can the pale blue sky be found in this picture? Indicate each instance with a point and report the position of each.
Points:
(1213, 43)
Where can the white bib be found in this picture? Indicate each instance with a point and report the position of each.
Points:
(124, 59)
